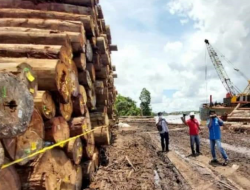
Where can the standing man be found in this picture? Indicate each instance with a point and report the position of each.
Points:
(214, 124)
(194, 128)
(163, 132)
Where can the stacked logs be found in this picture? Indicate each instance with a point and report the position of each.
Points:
(56, 82)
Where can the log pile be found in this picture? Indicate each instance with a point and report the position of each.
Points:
(56, 82)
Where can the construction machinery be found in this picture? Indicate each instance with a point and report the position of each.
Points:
(234, 95)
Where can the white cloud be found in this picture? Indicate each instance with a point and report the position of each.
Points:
(184, 21)
(148, 58)
(173, 46)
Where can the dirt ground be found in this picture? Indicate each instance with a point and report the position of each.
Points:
(135, 162)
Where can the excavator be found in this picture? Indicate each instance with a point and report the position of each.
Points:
(236, 99)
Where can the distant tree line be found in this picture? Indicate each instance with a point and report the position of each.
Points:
(125, 106)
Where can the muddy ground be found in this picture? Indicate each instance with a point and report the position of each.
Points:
(136, 162)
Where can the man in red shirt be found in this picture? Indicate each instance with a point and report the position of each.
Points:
(194, 128)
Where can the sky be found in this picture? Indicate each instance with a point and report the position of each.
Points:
(161, 48)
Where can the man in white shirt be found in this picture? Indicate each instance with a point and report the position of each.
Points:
(163, 133)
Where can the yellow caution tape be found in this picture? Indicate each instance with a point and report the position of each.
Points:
(45, 149)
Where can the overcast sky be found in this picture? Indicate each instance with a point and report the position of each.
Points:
(161, 47)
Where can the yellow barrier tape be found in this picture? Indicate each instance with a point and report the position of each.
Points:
(45, 149)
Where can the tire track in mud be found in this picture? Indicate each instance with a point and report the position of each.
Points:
(196, 173)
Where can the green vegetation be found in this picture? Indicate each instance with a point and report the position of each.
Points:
(145, 98)
(125, 106)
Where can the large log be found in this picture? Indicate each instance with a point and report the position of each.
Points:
(74, 150)
(52, 75)
(53, 170)
(1, 155)
(56, 130)
(85, 79)
(58, 7)
(16, 108)
(113, 48)
(9, 179)
(89, 3)
(101, 45)
(103, 73)
(91, 69)
(80, 61)
(36, 51)
(34, 38)
(98, 119)
(84, 94)
(21, 13)
(24, 72)
(102, 135)
(45, 104)
(77, 40)
(27, 143)
(52, 24)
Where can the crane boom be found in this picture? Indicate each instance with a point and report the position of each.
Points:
(231, 89)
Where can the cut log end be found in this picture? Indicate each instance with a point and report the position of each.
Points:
(56, 130)
(17, 108)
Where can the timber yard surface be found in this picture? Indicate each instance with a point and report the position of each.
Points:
(135, 161)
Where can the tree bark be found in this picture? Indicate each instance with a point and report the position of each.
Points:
(16, 108)
(80, 61)
(56, 130)
(102, 135)
(9, 179)
(76, 39)
(85, 79)
(84, 94)
(74, 150)
(91, 69)
(24, 72)
(22, 13)
(45, 104)
(52, 75)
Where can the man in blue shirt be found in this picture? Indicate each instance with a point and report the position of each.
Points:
(214, 124)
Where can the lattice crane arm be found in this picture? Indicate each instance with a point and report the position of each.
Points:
(221, 70)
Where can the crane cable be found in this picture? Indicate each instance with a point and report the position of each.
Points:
(206, 75)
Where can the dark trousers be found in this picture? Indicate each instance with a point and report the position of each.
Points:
(194, 139)
(164, 141)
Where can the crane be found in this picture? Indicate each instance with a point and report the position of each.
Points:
(247, 89)
(231, 89)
